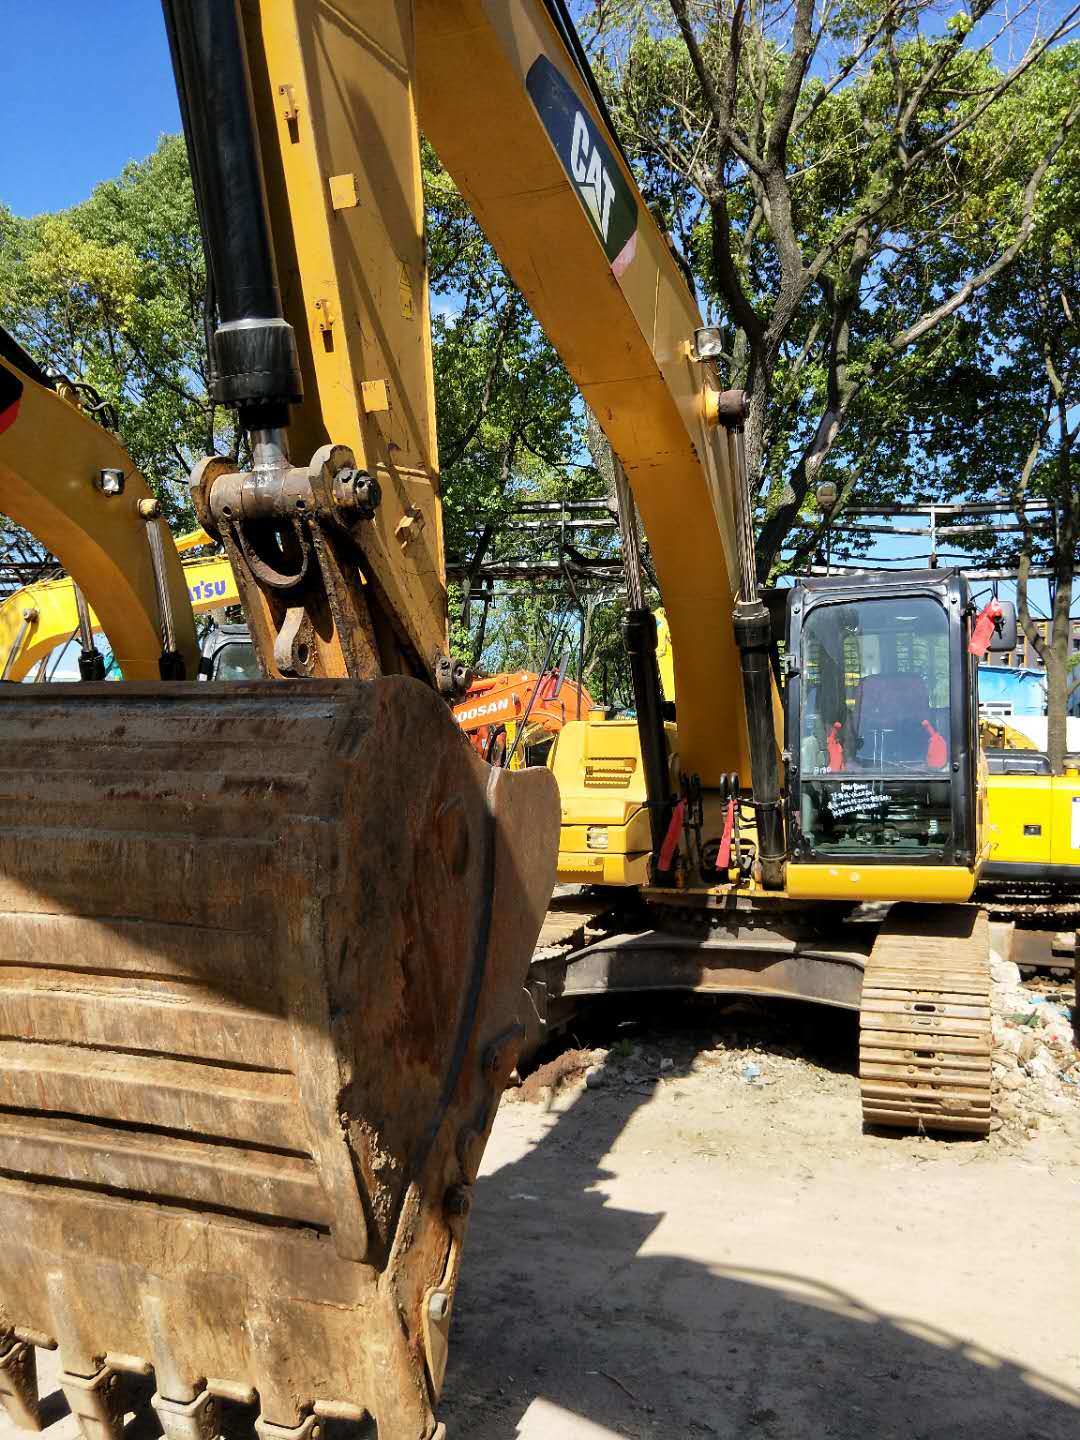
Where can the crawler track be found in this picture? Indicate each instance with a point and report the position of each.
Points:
(924, 1027)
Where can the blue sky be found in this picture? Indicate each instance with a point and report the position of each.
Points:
(86, 87)
(83, 89)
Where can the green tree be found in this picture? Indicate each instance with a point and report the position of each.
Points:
(112, 294)
(821, 170)
(511, 427)
(1016, 416)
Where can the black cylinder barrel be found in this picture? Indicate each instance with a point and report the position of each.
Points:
(639, 638)
(753, 635)
(254, 359)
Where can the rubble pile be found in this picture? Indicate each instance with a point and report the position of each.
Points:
(640, 1064)
(1036, 1061)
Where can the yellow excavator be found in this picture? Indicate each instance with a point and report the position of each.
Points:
(264, 943)
(51, 614)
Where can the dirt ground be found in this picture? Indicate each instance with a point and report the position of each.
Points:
(699, 1241)
(688, 1249)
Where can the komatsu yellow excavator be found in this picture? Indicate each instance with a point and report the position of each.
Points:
(49, 614)
(264, 943)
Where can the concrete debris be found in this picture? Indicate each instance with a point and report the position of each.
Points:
(1036, 1060)
(1003, 972)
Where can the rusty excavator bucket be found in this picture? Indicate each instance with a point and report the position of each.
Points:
(262, 946)
(262, 949)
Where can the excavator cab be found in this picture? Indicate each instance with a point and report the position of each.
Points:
(880, 704)
(882, 732)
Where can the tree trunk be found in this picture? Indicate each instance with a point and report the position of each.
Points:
(481, 632)
(1057, 673)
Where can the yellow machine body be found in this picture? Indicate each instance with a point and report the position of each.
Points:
(1033, 828)
(604, 835)
(51, 457)
(335, 100)
(946, 884)
(624, 331)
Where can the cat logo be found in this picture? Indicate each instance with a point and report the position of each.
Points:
(589, 162)
(593, 180)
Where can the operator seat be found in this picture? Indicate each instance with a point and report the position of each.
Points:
(889, 713)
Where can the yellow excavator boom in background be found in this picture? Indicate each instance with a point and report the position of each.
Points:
(73, 486)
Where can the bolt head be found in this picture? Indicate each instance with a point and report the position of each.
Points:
(439, 1305)
(368, 493)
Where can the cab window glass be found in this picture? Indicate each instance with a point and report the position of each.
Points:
(236, 661)
(875, 688)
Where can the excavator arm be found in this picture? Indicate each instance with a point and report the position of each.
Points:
(37, 619)
(560, 205)
(73, 486)
(498, 704)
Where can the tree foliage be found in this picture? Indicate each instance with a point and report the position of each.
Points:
(511, 427)
(1015, 412)
(872, 204)
(826, 172)
(112, 293)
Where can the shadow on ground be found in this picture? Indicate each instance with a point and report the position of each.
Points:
(562, 1326)
(564, 1330)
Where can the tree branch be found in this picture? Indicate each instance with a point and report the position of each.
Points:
(963, 294)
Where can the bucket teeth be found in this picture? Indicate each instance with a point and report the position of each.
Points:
(18, 1385)
(188, 1420)
(97, 1402)
(308, 1429)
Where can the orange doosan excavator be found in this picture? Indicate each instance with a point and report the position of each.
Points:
(512, 718)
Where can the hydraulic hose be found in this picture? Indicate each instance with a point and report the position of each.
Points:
(753, 636)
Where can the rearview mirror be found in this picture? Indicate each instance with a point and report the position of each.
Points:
(1005, 638)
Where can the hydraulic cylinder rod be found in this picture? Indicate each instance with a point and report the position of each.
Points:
(253, 349)
(753, 636)
(639, 641)
(639, 638)
(91, 660)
